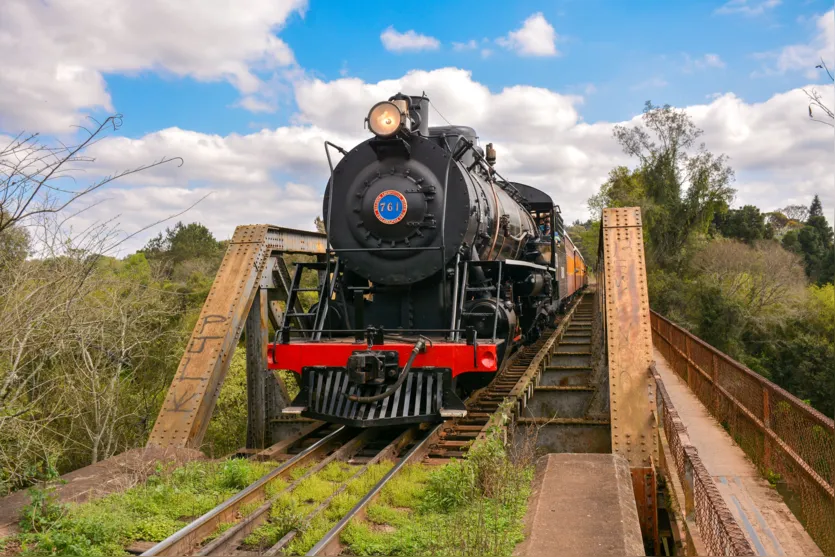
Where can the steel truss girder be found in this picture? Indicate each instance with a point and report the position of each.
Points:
(247, 267)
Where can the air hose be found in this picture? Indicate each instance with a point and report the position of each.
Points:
(419, 347)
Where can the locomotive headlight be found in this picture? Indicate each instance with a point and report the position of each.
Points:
(384, 119)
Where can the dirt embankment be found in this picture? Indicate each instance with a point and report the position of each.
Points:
(113, 475)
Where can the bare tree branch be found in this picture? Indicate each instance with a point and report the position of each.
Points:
(816, 102)
(30, 168)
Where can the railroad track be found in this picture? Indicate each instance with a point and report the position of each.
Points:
(319, 444)
(513, 382)
(316, 448)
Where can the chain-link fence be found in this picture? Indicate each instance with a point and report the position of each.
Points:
(788, 440)
(716, 526)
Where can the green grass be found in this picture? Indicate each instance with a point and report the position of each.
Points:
(150, 512)
(473, 506)
(289, 511)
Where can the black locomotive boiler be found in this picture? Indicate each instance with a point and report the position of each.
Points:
(437, 269)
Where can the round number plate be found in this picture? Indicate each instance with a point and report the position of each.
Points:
(390, 207)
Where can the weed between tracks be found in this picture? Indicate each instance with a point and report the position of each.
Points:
(289, 511)
(473, 506)
(149, 512)
(469, 507)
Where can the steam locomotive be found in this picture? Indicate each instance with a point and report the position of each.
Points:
(438, 268)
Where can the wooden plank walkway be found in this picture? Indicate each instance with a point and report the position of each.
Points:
(767, 522)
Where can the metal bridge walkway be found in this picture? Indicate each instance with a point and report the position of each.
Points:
(765, 519)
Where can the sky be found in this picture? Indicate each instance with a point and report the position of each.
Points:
(247, 91)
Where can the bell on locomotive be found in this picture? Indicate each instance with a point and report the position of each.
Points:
(436, 271)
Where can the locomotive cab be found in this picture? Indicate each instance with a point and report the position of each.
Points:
(437, 270)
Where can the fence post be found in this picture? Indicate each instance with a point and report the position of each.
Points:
(689, 488)
(767, 424)
(687, 362)
(714, 374)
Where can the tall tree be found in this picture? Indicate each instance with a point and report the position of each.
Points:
(684, 185)
(816, 209)
(815, 243)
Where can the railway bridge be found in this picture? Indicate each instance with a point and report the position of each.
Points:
(655, 442)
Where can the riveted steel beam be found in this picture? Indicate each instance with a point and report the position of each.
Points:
(188, 406)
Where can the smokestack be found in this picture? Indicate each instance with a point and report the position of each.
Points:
(420, 107)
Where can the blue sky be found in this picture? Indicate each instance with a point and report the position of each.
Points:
(247, 91)
(628, 51)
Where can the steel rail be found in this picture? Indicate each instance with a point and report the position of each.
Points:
(180, 542)
(230, 538)
(512, 382)
(332, 536)
(389, 451)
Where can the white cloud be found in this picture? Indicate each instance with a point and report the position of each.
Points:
(780, 157)
(486, 53)
(651, 83)
(536, 37)
(746, 7)
(472, 44)
(254, 104)
(409, 41)
(55, 53)
(704, 62)
(453, 92)
(278, 175)
(709, 61)
(806, 56)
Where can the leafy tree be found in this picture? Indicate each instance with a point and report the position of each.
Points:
(815, 243)
(790, 241)
(683, 184)
(183, 242)
(586, 236)
(320, 225)
(802, 361)
(624, 188)
(781, 223)
(746, 224)
(815, 209)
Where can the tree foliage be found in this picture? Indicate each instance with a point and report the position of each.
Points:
(814, 242)
(678, 184)
(721, 272)
(747, 224)
(85, 339)
(586, 236)
(183, 243)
